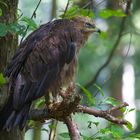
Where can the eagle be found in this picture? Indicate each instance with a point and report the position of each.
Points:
(44, 63)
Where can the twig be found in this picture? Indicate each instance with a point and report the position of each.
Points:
(104, 114)
(73, 130)
(66, 8)
(122, 26)
(33, 15)
(118, 107)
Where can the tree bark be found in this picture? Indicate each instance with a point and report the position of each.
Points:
(8, 44)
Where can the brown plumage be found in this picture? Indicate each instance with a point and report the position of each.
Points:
(45, 62)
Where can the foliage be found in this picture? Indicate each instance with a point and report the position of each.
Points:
(2, 79)
(29, 22)
(106, 13)
(40, 103)
(65, 135)
(112, 131)
(3, 29)
(90, 100)
(18, 27)
(0, 12)
(77, 11)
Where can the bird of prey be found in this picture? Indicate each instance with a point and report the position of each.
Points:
(44, 62)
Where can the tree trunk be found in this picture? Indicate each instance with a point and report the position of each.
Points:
(8, 44)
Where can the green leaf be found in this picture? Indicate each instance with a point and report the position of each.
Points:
(3, 29)
(31, 123)
(111, 101)
(103, 35)
(86, 12)
(105, 13)
(70, 12)
(105, 138)
(134, 135)
(132, 109)
(75, 10)
(87, 138)
(129, 126)
(2, 79)
(0, 12)
(99, 89)
(117, 131)
(65, 135)
(51, 126)
(105, 131)
(29, 22)
(118, 13)
(123, 110)
(40, 103)
(88, 94)
(17, 28)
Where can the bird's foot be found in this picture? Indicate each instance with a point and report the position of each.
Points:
(69, 92)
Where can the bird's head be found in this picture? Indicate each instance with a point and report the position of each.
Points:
(85, 24)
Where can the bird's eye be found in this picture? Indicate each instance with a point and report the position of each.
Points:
(88, 25)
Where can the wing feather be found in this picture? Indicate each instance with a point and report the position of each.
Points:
(39, 60)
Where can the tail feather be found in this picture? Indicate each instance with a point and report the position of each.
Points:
(10, 121)
(10, 118)
(5, 112)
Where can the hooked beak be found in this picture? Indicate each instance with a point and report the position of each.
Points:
(95, 29)
(98, 30)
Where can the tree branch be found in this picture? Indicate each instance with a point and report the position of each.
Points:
(104, 114)
(122, 26)
(60, 111)
(72, 128)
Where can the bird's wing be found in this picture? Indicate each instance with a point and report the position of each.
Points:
(37, 64)
(25, 49)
